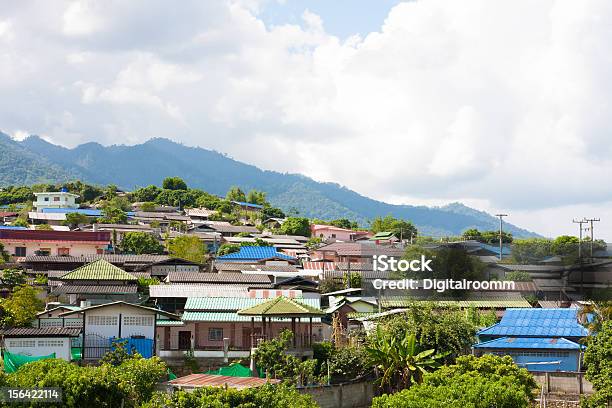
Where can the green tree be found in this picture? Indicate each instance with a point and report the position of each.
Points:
(328, 285)
(74, 219)
(226, 249)
(272, 212)
(43, 227)
(174, 183)
(112, 215)
(13, 277)
(565, 245)
(518, 276)
(296, 226)
(492, 237)
(148, 206)
(4, 256)
(187, 247)
(595, 314)
(400, 360)
(21, 307)
(146, 194)
(525, 251)
(258, 242)
(268, 396)
(139, 243)
(235, 194)
(400, 228)
(348, 363)
(20, 222)
(256, 197)
(472, 234)
(352, 280)
(598, 361)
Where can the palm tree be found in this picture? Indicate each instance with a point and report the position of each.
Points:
(594, 314)
(400, 360)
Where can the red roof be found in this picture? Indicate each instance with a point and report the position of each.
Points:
(213, 380)
(8, 214)
(64, 236)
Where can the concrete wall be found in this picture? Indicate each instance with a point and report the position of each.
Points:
(75, 249)
(39, 346)
(563, 383)
(135, 322)
(352, 395)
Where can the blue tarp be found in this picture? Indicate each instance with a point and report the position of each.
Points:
(144, 347)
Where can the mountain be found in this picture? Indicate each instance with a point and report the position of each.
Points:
(36, 160)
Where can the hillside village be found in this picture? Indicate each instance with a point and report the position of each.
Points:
(233, 291)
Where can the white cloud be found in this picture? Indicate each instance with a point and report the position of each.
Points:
(506, 103)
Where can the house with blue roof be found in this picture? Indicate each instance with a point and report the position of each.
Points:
(537, 339)
(258, 254)
(535, 353)
(536, 323)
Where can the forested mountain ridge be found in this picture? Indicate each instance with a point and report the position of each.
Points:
(36, 160)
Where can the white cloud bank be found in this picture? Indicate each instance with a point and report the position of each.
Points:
(504, 103)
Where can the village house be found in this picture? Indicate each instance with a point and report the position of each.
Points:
(38, 342)
(354, 252)
(258, 254)
(118, 321)
(60, 199)
(21, 243)
(332, 233)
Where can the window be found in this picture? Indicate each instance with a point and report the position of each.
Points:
(56, 198)
(99, 251)
(215, 334)
(138, 320)
(22, 343)
(63, 251)
(20, 251)
(46, 198)
(50, 343)
(43, 252)
(102, 320)
(333, 236)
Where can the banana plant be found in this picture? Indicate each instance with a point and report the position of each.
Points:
(400, 361)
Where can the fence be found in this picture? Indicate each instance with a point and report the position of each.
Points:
(563, 382)
(349, 395)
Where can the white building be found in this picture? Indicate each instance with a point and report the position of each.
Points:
(37, 342)
(60, 199)
(118, 320)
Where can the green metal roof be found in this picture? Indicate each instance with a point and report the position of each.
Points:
(382, 235)
(166, 322)
(224, 317)
(281, 306)
(99, 270)
(233, 303)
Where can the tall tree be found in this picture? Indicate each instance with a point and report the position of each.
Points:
(140, 243)
(256, 197)
(235, 194)
(174, 183)
(400, 228)
(296, 226)
(21, 307)
(187, 247)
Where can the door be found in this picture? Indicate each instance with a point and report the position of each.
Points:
(184, 340)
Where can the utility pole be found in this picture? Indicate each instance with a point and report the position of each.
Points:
(591, 221)
(501, 230)
(579, 222)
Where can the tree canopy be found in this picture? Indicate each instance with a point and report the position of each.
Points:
(187, 247)
(139, 243)
(400, 228)
(296, 226)
(174, 183)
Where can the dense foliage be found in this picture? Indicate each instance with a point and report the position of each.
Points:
(187, 247)
(402, 229)
(128, 384)
(174, 183)
(269, 396)
(484, 382)
(296, 226)
(20, 308)
(598, 361)
(487, 237)
(140, 243)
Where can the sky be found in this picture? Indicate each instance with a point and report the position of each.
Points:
(502, 105)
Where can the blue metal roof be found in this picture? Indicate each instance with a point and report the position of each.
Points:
(538, 323)
(85, 211)
(245, 204)
(543, 343)
(506, 250)
(255, 253)
(12, 227)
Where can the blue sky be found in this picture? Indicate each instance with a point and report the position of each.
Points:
(341, 18)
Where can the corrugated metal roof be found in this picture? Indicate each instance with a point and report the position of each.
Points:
(198, 290)
(99, 270)
(115, 259)
(41, 332)
(234, 303)
(363, 249)
(228, 317)
(166, 322)
(95, 289)
(235, 277)
(212, 380)
(245, 267)
(544, 343)
(538, 323)
(281, 306)
(478, 300)
(255, 253)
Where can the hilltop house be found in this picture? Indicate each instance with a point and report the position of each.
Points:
(332, 233)
(60, 199)
(21, 243)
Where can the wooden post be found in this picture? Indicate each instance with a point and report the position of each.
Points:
(310, 333)
(252, 332)
(293, 331)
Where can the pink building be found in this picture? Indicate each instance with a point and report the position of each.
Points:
(21, 243)
(331, 233)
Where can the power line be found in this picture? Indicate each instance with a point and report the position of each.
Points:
(591, 221)
(501, 229)
(580, 222)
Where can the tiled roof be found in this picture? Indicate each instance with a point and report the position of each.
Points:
(94, 289)
(41, 332)
(233, 303)
(538, 323)
(99, 270)
(281, 306)
(255, 253)
(544, 343)
(232, 277)
(115, 259)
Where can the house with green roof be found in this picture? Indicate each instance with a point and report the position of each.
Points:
(384, 237)
(212, 323)
(97, 282)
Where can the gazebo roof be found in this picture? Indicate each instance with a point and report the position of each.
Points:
(281, 306)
